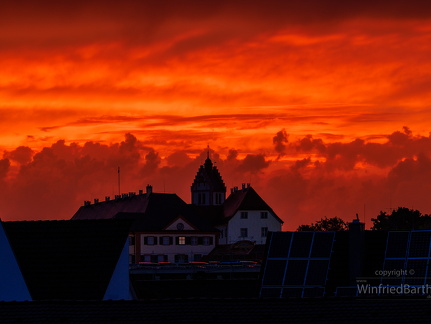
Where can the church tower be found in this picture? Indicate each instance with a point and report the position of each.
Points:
(208, 188)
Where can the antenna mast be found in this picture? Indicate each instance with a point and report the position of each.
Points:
(119, 188)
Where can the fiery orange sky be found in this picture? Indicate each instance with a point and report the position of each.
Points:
(324, 106)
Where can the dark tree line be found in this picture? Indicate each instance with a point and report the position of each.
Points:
(401, 218)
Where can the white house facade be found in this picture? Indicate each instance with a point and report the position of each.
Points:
(251, 225)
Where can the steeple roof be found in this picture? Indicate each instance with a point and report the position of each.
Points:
(209, 175)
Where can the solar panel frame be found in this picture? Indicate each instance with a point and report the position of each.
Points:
(301, 245)
(419, 244)
(415, 272)
(293, 275)
(276, 240)
(302, 269)
(412, 259)
(319, 249)
(397, 244)
(317, 272)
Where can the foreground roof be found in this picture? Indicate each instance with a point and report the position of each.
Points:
(67, 259)
(319, 310)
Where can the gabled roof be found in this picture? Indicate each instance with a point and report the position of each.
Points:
(245, 199)
(67, 259)
(150, 212)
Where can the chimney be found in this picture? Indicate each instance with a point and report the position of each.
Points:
(356, 249)
(141, 192)
(243, 186)
(248, 185)
(149, 189)
(87, 203)
(96, 200)
(107, 198)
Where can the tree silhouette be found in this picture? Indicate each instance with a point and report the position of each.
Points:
(325, 224)
(402, 219)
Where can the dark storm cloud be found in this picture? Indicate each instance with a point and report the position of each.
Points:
(146, 21)
(280, 140)
(4, 167)
(345, 155)
(22, 154)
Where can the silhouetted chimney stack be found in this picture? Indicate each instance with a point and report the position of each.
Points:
(149, 189)
(356, 249)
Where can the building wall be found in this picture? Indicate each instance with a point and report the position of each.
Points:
(253, 225)
(193, 246)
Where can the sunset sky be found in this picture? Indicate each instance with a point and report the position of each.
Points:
(323, 106)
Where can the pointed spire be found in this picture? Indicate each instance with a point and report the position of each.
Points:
(208, 163)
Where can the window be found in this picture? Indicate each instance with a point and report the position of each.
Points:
(181, 258)
(264, 215)
(218, 198)
(207, 240)
(181, 240)
(166, 240)
(150, 240)
(243, 232)
(264, 231)
(194, 240)
(244, 215)
(162, 258)
(146, 258)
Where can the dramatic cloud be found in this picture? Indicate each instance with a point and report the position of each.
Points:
(4, 168)
(280, 140)
(305, 99)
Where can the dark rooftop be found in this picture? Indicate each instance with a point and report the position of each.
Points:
(63, 259)
(150, 212)
(313, 310)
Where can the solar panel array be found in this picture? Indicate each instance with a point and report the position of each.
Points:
(407, 258)
(297, 264)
